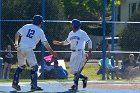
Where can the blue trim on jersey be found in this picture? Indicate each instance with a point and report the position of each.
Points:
(66, 40)
(75, 37)
(87, 41)
(19, 33)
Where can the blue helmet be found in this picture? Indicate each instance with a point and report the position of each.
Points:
(37, 19)
(76, 23)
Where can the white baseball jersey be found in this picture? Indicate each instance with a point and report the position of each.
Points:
(77, 39)
(31, 35)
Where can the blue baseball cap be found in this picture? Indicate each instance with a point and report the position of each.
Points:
(76, 23)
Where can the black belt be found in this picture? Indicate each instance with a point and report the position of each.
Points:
(77, 50)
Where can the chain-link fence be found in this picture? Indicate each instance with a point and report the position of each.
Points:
(58, 15)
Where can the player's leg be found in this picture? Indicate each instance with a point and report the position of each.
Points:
(73, 71)
(100, 71)
(21, 65)
(17, 77)
(8, 70)
(31, 59)
(75, 85)
(33, 74)
(5, 70)
(76, 63)
(107, 73)
(116, 71)
(83, 77)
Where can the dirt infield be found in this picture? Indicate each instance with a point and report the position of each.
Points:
(116, 86)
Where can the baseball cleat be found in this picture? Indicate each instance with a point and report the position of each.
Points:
(74, 87)
(85, 82)
(33, 88)
(16, 86)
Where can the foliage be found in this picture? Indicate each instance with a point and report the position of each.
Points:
(117, 2)
(109, 4)
(25, 10)
(130, 36)
(87, 10)
(54, 10)
(82, 9)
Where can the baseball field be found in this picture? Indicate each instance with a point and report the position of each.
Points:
(95, 84)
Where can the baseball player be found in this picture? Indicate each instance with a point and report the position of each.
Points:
(77, 39)
(30, 35)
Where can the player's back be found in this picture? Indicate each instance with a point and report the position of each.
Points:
(30, 35)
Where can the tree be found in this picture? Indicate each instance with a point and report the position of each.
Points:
(24, 10)
(130, 37)
(87, 10)
(82, 9)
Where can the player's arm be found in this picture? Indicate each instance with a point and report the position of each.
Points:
(48, 47)
(45, 42)
(66, 42)
(60, 42)
(17, 35)
(6, 56)
(89, 42)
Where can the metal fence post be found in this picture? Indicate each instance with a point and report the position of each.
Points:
(104, 35)
(1, 67)
(0, 25)
(42, 46)
(112, 54)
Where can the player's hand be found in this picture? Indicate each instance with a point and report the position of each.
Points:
(89, 54)
(86, 55)
(56, 42)
(16, 46)
(54, 54)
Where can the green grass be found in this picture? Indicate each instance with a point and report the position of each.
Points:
(89, 70)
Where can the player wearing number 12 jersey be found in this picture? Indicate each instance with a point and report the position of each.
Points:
(30, 35)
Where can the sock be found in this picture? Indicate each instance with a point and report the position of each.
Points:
(76, 82)
(82, 76)
(17, 75)
(33, 75)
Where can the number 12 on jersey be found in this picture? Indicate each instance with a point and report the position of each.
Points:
(30, 33)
